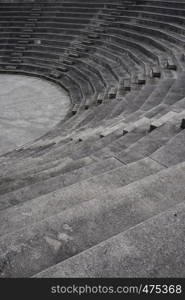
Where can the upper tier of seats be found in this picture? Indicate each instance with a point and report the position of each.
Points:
(108, 181)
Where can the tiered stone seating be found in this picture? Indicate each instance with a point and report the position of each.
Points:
(103, 191)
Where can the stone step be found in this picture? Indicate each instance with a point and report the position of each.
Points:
(34, 14)
(32, 249)
(32, 19)
(23, 178)
(35, 210)
(172, 152)
(119, 126)
(150, 143)
(154, 248)
(177, 91)
(162, 109)
(160, 121)
(122, 143)
(16, 54)
(20, 48)
(16, 60)
(25, 35)
(32, 191)
(11, 67)
(137, 102)
(158, 94)
(62, 151)
(27, 30)
(175, 94)
(23, 41)
(34, 165)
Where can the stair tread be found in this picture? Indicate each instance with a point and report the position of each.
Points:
(60, 181)
(133, 253)
(47, 205)
(64, 235)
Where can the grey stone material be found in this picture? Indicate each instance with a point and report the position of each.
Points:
(158, 94)
(155, 71)
(123, 142)
(133, 253)
(47, 205)
(62, 152)
(15, 181)
(150, 143)
(177, 91)
(31, 191)
(183, 124)
(92, 179)
(170, 64)
(150, 191)
(173, 152)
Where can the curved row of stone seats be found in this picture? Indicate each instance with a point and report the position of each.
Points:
(179, 20)
(176, 36)
(166, 39)
(145, 131)
(167, 3)
(69, 36)
(40, 68)
(74, 192)
(79, 151)
(32, 60)
(42, 161)
(133, 101)
(161, 35)
(161, 9)
(144, 93)
(103, 110)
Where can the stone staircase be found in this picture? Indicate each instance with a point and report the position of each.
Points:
(102, 194)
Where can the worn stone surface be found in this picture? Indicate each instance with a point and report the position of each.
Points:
(94, 192)
(34, 190)
(50, 204)
(29, 108)
(92, 222)
(154, 248)
(134, 253)
(173, 152)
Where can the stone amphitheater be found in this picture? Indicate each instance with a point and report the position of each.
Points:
(97, 187)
